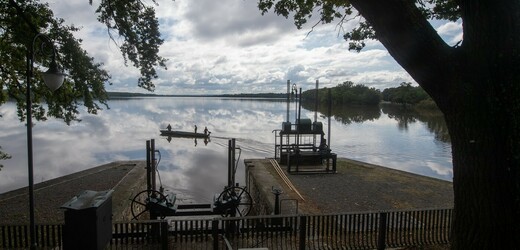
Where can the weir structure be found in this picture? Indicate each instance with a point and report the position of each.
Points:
(154, 203)
(302, 146)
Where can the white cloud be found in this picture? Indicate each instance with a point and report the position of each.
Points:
(451, 32)
(229, 47)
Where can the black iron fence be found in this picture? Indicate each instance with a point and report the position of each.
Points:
(374, 230)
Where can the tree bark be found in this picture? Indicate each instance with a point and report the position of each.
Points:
(477, 86)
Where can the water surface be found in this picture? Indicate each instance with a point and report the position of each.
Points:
(387, 135)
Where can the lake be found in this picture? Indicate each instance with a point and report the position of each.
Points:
(387, 135)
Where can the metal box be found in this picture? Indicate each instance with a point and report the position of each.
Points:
(88, 220)
(304, 125)
(317, 127)
(286, 127)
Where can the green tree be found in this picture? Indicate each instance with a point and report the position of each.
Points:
(3, 156)
(405, 94)
(20, 21)
(346, 93)
(475, 83)
(132, 22)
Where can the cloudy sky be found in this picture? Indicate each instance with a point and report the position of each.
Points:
(227, 46)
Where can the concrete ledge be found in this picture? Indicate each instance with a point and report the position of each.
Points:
(126, 178)
(357, 187)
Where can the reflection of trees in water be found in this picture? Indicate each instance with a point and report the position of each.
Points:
(433, 119)
(437, 125)
(404, 116)
(348, 114)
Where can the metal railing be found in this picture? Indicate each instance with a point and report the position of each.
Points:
(371, 230)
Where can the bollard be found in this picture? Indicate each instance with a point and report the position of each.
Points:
(276, 193)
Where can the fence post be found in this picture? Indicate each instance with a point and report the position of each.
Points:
(164, 234)
(214, 233)
(381, 235)
(303, 231)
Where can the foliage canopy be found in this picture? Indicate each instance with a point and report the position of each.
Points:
(470, 82)
(405, 94)
(332, 10)
(345, 93)
(21, 21)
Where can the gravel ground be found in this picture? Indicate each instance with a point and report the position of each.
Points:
(361, 187)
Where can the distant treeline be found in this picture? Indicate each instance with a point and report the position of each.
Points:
(344, 93)
(115, 95)
(405, 94)
(358, 94)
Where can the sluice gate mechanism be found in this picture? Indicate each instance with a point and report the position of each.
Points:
(151, 203)
(302, 146)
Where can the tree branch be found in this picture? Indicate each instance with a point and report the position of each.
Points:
(411, 41)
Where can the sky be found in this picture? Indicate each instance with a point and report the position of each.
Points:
(228, 47)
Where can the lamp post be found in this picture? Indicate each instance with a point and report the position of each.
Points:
(53, 78)
(294, 93)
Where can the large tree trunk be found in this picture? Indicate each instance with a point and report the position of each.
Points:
(477, 86)
(485, 178)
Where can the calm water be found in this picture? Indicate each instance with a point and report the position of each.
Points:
(387, 136)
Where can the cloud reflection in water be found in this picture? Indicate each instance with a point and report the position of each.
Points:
(120, 133)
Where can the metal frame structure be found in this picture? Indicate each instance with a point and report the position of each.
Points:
(233, 201)
(298, 144)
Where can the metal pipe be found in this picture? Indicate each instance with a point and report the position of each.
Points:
(276, 193)
(231, 163)
(153, 161)
(288, 97)
(330, 114)
(148, 166)
(295, 91)
(316, 102)
(299, 116)
(315, 112)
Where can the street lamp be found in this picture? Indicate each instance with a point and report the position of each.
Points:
(53, 78)
(294, 93)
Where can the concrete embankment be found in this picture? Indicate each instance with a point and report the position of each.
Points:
(126, 178)
(356, 187)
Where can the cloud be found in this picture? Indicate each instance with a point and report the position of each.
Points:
(451, 32)
(227, 46)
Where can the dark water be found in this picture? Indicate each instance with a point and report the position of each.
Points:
(388, 136)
